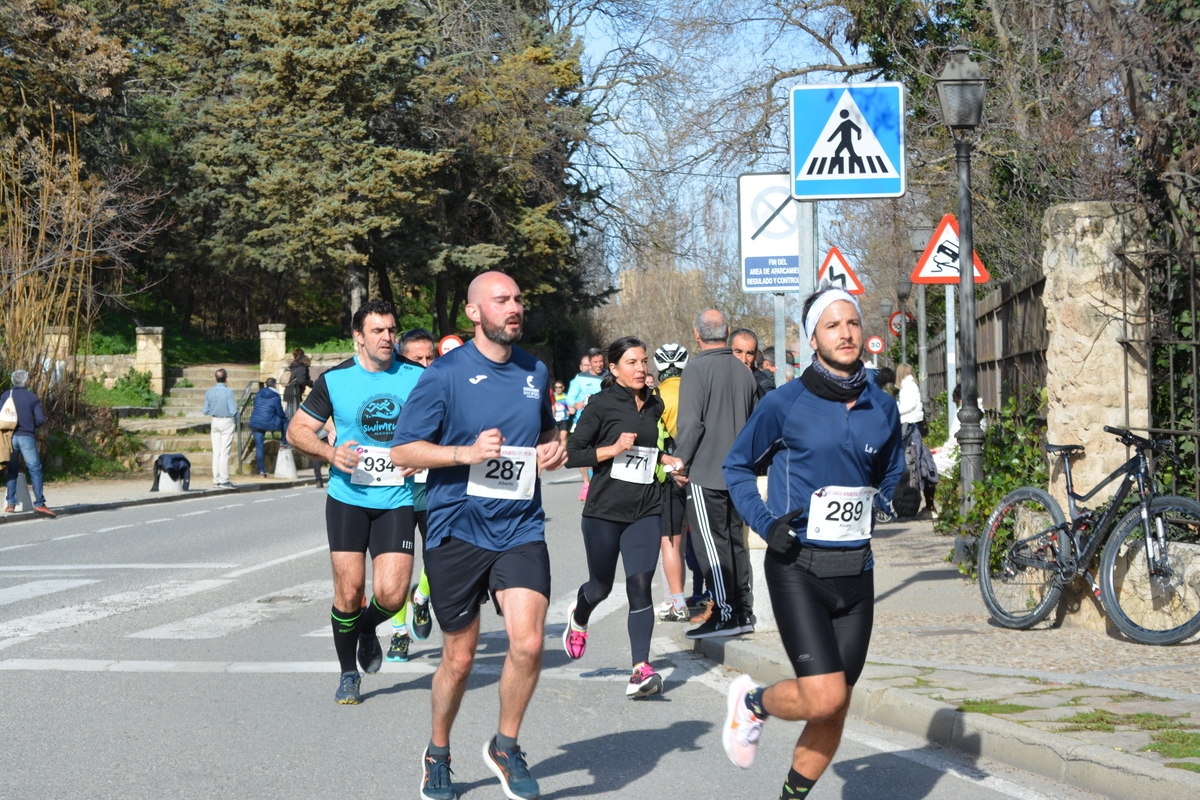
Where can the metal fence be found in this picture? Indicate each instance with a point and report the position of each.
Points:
(1010, 344)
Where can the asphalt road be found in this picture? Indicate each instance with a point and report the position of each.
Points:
(184, 650)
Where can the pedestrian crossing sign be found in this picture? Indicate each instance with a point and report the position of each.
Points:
(836, 271)
(848, 141)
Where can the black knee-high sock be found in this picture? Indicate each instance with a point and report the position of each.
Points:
(373, 616)
(345, 637)
(584, 607)
(797, 786)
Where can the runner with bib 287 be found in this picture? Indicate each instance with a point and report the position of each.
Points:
(832, 441)
(617, 436)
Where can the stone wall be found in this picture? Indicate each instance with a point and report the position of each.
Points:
(1092, 379)
(106, 368)
(149, 357)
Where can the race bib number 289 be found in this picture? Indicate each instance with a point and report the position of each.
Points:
(840, 513)
(510, 476)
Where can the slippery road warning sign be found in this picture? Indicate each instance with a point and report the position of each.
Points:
(939, 262)
(837, 271)
(848, 141)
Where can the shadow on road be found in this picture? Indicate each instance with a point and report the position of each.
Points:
(617, 759)
(894, 775)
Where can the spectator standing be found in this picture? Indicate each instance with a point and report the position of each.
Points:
(298, 379)
(744, 344)
(267, 416)
(768, 362)
(30, 417)
(220, 404)
(909, 400)
(583, 386)
(716, 396)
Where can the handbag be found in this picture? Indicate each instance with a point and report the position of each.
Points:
(5, 447)
(8, 414)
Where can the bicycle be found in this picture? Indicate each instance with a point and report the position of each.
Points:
(1149, 568)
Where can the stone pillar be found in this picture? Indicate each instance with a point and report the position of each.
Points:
(272, 344)
(1089, 381)
(149, 357)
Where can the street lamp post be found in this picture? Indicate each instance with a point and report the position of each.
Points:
(903, 290)
(961, 88)
(885, 311)
(919, 233)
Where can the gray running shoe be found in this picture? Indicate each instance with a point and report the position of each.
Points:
(370, 654)
(347, 693)
(420, 622)
(510, 768)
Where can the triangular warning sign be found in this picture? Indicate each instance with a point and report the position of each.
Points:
(939, 262)
(838, 273)
(846, 148)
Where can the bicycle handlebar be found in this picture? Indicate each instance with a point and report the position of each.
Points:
(1164, 446)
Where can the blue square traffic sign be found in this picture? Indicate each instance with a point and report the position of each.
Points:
(848, 141)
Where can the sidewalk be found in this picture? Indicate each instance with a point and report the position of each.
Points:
(79, 497)
(1069, 704)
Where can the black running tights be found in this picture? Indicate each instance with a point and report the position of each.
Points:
(638, 546)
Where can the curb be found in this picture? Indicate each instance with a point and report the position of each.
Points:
(1109, 773)
(85, 508)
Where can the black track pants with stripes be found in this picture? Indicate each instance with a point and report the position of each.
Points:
(717, 538)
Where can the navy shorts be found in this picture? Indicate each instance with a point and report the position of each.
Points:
(462, 575)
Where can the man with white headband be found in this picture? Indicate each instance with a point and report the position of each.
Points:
(832, 441)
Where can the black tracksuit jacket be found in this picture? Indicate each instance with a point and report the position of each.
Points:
(608, 414)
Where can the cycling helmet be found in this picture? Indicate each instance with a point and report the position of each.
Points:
(670, 356)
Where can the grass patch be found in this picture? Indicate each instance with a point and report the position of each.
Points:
(1101, 720)
(1194, 767)
(982, 707)
(1176, 744)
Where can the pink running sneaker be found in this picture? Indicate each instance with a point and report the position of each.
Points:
(583, 491)
(742, 727)
(574, 640)
(644, 682)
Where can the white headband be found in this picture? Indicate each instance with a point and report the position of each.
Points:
(824, 301)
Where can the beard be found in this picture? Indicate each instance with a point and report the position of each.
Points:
(835, 360)
(499, 333)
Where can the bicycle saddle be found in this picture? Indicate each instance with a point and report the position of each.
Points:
(1069, 449)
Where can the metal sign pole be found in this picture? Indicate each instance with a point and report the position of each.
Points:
(951, 351)
(780, 319)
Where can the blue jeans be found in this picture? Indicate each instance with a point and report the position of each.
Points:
(259, 435)
(25, 446)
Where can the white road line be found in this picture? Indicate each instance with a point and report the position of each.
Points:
(294, 494)
(227, 620)
(71, 536)
(266, 500)
(243, 667)
(20, 630)
(195, 513)
(90, 567)
(239, 573)
(233, 505)
(25, 591)
(152, 521)
(930, 759)
(113, 528)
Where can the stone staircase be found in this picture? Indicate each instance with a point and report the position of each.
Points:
(182, 427)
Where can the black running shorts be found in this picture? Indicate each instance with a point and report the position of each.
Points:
(825, 623)
(354, 529)
(461, 575)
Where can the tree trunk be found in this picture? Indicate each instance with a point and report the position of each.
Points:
(354, 292)
(441, 300)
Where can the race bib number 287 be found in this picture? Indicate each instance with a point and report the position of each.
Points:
(510, 476)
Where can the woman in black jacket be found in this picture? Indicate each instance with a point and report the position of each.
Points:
(298, 381)
(617, 436)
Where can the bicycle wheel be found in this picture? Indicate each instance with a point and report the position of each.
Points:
(1018, 558)
(1163, 607)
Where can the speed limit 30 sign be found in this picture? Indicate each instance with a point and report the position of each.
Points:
(875, 345)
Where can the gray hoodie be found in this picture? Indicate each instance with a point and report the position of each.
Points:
(716, 395)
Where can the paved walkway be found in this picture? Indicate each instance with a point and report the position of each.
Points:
(1068, 703)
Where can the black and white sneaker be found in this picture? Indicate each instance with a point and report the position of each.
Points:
(715, 627)
(370, 654)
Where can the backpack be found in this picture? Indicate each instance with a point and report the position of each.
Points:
(285, 378)
(8, 414)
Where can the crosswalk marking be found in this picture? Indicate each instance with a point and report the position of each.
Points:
(227, 620)
(247, 570)
(91, 567)
(20, 630)
(25, 591)
(242, 667)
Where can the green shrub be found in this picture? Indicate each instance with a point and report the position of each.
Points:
(131, 389)
(1012, 457)
(184, 383)
(90, 448)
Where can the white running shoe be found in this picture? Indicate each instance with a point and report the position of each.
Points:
(742, 726)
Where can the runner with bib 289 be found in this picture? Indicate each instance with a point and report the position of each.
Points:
(617, 436)
(832, 440)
